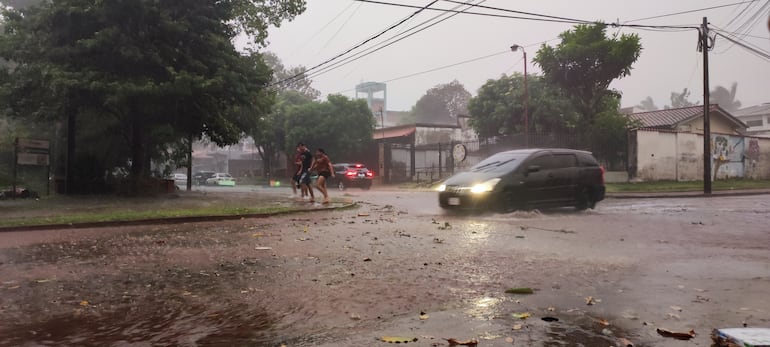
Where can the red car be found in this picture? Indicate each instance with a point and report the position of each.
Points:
(351, 175)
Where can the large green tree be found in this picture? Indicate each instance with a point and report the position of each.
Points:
(498, 109)
(270, 134)
(155, 72)
(341, 126)
(441, 104)
(585, 62)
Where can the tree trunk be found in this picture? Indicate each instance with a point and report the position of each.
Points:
(69, 170)
(139, 167)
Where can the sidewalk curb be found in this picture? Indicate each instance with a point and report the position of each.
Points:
(169, 220)
(669, 195)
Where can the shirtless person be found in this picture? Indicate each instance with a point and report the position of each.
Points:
(304, 172)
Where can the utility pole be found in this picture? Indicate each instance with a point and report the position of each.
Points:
(514, 48)
(703, 46)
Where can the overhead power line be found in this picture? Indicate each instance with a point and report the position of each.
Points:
(756, 51)
(420, 9)
(691, 11)
(522, 12)
(388, 42)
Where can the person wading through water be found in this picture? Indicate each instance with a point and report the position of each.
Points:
(323, 166)
(304, 172)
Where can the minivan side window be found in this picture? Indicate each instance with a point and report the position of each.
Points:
(545, 162)
(561, 161)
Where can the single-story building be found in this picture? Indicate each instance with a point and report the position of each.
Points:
(690, 120)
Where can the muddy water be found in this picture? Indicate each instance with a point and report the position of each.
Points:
(347, 277)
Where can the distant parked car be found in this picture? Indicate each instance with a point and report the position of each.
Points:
(180, 180)
(221, 179)
(351, 175)
(527, 178)
(200, 177)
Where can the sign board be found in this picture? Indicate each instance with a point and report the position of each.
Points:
(32, 159)
(30, 143)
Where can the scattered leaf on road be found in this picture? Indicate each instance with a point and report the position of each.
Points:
(522, 315)
(424, 316)
(363, 214)
(84, 303)
(263, 248)
(516, 327)
(509, 339)
(590, 300)
(676, 335)
(550, 319)
(367, 259)
(42, 281)
(522, 290)
(398, 339)
(676, 308)
(454, 342)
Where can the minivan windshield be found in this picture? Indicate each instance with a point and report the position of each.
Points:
(499, 163)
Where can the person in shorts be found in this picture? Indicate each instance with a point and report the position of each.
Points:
(323, 166)
(295, 174)
(306, 158)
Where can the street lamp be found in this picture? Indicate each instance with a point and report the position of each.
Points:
(514, 48)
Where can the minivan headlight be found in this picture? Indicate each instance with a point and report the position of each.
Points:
(441, 188)
(487, 186)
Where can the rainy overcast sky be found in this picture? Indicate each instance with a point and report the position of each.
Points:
(668, 62)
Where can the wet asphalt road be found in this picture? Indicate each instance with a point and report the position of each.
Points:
(344, 278)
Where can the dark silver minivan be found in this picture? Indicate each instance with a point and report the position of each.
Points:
(527, 178)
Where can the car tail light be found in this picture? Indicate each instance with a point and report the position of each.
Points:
(603, 171)
(350, 173)
(370, 174)
(359, 166)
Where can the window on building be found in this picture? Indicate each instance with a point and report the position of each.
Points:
(754, 123)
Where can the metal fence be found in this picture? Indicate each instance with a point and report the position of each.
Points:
(434, 162)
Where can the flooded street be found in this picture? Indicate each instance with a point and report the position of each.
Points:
(346, 277)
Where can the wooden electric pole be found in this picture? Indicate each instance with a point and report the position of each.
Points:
(704, 47)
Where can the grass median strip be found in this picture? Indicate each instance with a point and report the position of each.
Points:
(132, 215)
(689, 186)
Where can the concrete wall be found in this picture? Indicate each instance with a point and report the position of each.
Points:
(679, 156)
(717, 125)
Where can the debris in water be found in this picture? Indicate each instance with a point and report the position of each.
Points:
(624, 342)
(758, 337)
(516, 327)
(84, 303)
(259, 248)
(509, 340)
(676, 335)
(424, 316)
(520, 290)
(397, 339)
(455, 342)
(367, 259)
(676, 308)
(523, 315)
(550, 319)
(363, 214)
(590, 300)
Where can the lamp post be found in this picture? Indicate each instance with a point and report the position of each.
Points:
(514, 48)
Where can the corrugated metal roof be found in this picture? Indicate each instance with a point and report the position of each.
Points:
(753, 110)
(667, 118)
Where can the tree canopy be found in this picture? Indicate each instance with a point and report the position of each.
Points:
(441, 104)
(154, 72)
(679, 100)
(726, 98)
(498, 108)
(339, 125)
(585, 62)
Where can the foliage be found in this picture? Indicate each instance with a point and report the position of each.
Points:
(726, 98)
(679, 100)
(608, 138)
(339, 125)
(648, 104)
(441, 104)
(174, 74)
(586, 62)
(498, 108)
(270, 134)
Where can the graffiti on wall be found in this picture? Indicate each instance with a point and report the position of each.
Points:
(751, 155)
(727, 153)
